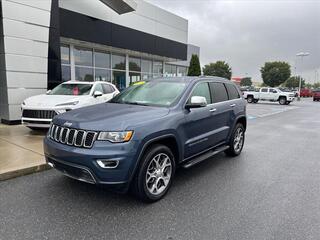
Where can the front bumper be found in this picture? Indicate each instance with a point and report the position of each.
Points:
(290, 99)
(81, 163)
(36, 122)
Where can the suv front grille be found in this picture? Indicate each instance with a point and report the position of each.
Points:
(40, 114)
(72, 137)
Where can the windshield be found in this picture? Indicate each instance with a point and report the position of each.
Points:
(154, 93)
(72, 89)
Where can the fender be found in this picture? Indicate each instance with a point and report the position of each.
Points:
(147, 142)
(235, 122)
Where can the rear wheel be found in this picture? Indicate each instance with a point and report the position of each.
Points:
(236, 141)
(250, 99)
(155, 174)
(282, 101)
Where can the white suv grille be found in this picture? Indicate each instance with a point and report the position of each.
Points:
(72, 137)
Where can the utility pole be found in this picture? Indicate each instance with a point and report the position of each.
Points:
(302, 55)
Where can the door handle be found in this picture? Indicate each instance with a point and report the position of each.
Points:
(232, 105)
(213, 110)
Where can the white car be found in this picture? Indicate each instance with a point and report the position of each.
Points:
(38, 111)
(269, 94)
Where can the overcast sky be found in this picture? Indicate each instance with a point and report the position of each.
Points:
(248, 33)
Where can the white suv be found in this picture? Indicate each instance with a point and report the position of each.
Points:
(38, 111)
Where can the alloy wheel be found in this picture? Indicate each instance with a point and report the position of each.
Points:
(238, 140)
(158, 174)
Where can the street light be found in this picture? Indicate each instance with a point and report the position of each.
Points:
(301, 54)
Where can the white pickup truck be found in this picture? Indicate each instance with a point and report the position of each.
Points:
(269, 94)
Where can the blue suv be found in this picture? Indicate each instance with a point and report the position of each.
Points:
(138, 139)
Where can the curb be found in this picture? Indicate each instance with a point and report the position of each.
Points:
(24, 171)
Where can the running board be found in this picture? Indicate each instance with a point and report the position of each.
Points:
(204, 156)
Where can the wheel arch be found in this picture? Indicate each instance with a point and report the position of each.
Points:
(169, 140)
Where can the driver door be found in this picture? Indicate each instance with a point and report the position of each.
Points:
(199, 123)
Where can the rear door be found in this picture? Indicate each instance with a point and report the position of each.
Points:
(108, 91)
(264, 94)
(221, 112)
(235, 105)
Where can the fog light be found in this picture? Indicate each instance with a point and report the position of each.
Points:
(105, 163)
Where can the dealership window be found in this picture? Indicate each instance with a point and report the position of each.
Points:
(118, 62)
(170, 70)
(181, 71)
(146, 69)
(65, 63)
(157, 69)
(119, 79)
(102, 66)
(83, 59)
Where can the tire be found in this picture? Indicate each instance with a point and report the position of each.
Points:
(145, 189)
(235, 149)
(249, 99)
(255, 100)
(282, 101)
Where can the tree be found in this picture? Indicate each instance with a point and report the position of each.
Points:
(219, 69)
(246, 81)
(275, 73)
(293, 82)
(194, 67)
(316, 85)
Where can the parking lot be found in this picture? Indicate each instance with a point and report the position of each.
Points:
(271, 191)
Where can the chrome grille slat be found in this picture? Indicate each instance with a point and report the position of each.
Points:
(72, 137)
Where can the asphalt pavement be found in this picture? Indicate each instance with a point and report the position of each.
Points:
(271, 191)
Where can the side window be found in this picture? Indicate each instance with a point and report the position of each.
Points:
(218, 92)
(272, 90)
(98, 87)
(232, 91)
(202, 90)
(107, 88)
(264, 89)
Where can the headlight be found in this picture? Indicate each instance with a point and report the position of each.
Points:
(67, 104)
(115, 137)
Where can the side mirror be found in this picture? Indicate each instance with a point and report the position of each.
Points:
(49, 91)
(197, 102)
(97, 94)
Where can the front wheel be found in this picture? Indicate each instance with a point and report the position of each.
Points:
(249, 99)
(236, 141)
(282, 101)
(155, 174)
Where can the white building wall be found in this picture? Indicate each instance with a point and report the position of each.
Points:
(147, 18)
(25, 38)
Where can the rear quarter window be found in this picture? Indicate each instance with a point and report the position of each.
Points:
(232, 91)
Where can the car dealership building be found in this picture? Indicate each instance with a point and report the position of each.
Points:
(43, 43)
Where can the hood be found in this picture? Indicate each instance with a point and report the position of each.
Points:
(110, 116)
(50, 101)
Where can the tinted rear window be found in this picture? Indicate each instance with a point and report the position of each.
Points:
(232, 91)
(218, 92)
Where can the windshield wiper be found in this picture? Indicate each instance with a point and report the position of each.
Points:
(136, 103)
